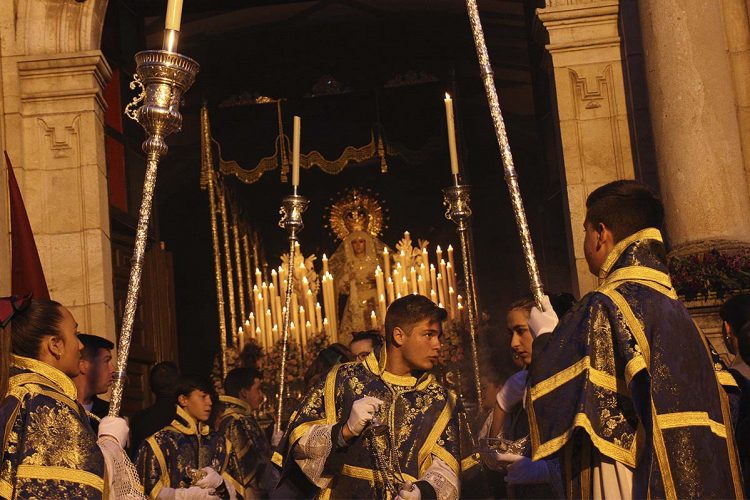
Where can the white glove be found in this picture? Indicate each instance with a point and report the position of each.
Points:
(362, 412)
(409, 491)
(117, 427)
(276, 438)
(541, 322)
(523, 470)
(192, 493)
(211, 480)
(512, 391)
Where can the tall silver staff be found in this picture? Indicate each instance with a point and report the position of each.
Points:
(511, 178)
(292, 208)
(163, 76)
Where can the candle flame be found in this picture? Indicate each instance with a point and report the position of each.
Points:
(447, 95)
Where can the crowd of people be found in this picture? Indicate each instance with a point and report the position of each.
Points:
(616, 395)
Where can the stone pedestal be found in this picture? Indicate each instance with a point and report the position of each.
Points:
(696, 133)
(592, 111)
(52, 76)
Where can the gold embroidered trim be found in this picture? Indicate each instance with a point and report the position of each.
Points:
(689, 419)
(164, 480)
(596, 377)
(367, 474)
(329, 396)
(46, 473)
(634, 366)
(626, 456)
(325, 494)
(157, 489)
(402, 380)
(6, 490)
(614, 254)
(635, 326)
(62, 381)
(641, 273)
(92, 416)
(301, 429)
(726, 379)
(186, 424)
(377, 367)
(443, 454)
(471, 461)
(235, 401)
(424, 457)
(662, 457)
(277, 459)
(237, 486)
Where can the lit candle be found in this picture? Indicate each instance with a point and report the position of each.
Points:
(241, 338)
(295, 310)
(433, 296)
(453, 265)
(451, 275)
(302, 323)
(421, 286)
(433, 278)
(379, 284)
(373, 321)
(295, 151)
(251, 322)
(460, 311)
(269, 329)
(274, 279)
(258, 278)
(413, 276)
(381, 303)
(275, 332)
(438, 255)
(441, 289)
(389, 289)
(310, 303)
(174, 15)
(259, 336)
(451, 133)
(325, 265)
(452, 301)
(386, 264)
(318, 316)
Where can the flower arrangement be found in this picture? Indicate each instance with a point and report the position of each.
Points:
(451, 348)
(315, 344)
(697, 275)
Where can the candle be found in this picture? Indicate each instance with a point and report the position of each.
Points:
(386, 264)
(425, 276)
(452, 301)
(259, 337)
(451, 134)
(269, 329)
(275, 332)
(391, 294)
(310, 303)
(441, 289)
(413, 276)
(459, 311)
(251, 322)
(373, 321)
(451, 275)
(174, 15)
(241, 338)
(397, 279)
(318, 316)
(294, 333)
(404, 286)
(258, 277)
(381, 304)
(452, 263)
(295, 310)
(274, 279)
(433, 296)
(438, 254)
(421, 286)
(295, 151)
(433, 278)
(460, 302)
(302, 323)
(444, 275)
(379, 284)
(325, 265)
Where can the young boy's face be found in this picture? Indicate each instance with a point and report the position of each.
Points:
(197, 404)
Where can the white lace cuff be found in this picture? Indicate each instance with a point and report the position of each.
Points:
(442, 479)
(312, 451)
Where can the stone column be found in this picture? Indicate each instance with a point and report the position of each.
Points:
(696, 133)
(53, 74)
(585, 47)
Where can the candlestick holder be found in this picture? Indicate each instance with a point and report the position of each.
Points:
(163, 77)
(292, 208)
(457, 199)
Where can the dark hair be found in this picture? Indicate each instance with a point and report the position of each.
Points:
(743, 341)
(240, 378)
(187, 384)
(525, 303)
(407, 311)
(92, 344)
(163, 379)
(372, 335)
(624, 207)
(25, 333)
(736, 312)
(326, 359)
(251, 353)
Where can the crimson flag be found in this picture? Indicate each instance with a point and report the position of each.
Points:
(27, 275)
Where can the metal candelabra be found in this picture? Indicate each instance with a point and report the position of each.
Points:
(163, 77)
(457, 199)
(292, 208)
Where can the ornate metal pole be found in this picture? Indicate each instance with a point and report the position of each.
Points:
(238, 264)
(228, 259)
(458, 200)
(511, 179)
(163, 77)
(292, 208)
(208, 168)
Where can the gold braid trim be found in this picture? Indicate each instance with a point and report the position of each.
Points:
(424, 457)
(301, 429)
(469, 462)
(662, 457)
(164, 480)
(277, 459)
(53, 473)
(726, 379)
(614, 254)
(367, 474)
(596, 377)
(443, 454)
(235, 484)
(329, 396)
(634, 366)
(689, 419)
(6, 490)
(635, 326)
(61, 381)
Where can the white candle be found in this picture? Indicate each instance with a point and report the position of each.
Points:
(174, 15)
(325, 265)
(295, 151)
(451, 134)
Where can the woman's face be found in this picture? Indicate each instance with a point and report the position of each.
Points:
(358, 245)
(520, 334)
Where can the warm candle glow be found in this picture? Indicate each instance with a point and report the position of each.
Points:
(451, 134)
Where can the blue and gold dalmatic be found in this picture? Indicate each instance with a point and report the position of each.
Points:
(166, 458)
(248, 440)
(49, 449)
(421, 415)
(627, 372)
